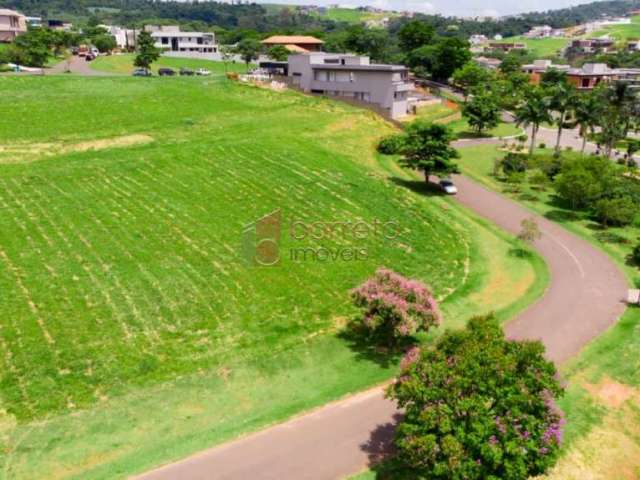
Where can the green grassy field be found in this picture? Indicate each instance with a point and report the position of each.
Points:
(541, 47)
(622, 32)
(351, 15)
(441, 113)
(603, 430)
(123, 64)
(133, 332)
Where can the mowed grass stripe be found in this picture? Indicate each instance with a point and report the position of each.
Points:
(152, 301)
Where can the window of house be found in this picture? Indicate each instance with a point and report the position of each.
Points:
(165, 41)
(199, 40)
(585, 83)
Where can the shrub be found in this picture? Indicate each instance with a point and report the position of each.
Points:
(395, 307)
(618, 211)
(542, 145)
(477, 406)
(549, 164)
(635, 254)
(390, 145)
(539, 180)
(583, 181)
(514, 163)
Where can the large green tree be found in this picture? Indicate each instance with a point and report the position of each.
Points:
(248, 49)
(477, 407)
(279, 53)
(441, 59)
(34, 47)
(586, 115)
(482, 111)
(470, 76)
(563, 99)
(427, 147)
(374, 42)
(415, 34)
(147, 53)
(533, 112)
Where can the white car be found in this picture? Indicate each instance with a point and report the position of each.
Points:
(448, 187)
(203, 71)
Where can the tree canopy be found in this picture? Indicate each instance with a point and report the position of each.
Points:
(426, 147)
(477, 407)
(147, 53)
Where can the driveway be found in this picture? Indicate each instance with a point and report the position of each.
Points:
(584, 299)
(77, 65)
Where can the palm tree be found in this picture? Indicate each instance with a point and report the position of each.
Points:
(533, 112)
(586, 115)
(562, 101)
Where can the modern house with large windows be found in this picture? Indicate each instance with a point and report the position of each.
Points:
(176, 43)
(12, 24)
(352, 77)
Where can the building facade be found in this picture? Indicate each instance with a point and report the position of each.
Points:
(593, 74)
(12, 24)
(353, 77)
(171, 40)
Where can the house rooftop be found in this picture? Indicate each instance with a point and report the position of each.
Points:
(10, 13)
(592, 69)
(373, 66)
(292, 39)
(544, 65)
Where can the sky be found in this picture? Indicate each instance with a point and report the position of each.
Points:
(462, 8)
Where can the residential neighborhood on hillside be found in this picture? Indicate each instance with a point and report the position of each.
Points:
(374, 241)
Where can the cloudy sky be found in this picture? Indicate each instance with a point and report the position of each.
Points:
(466, 8)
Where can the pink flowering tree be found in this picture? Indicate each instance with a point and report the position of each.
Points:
(395, 307)
(477, 406)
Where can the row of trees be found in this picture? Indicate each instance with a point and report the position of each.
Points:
(37, 45)
(476, 405)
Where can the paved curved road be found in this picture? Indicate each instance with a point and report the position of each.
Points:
(585, 298)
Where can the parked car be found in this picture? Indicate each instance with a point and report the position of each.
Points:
(141, 72)
(448, 187)
(89, 57)
(203, 72)
(186, 71)
(75, 50)
(166, 72)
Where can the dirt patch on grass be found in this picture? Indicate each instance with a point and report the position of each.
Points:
(610, 393)
(28, 152)
(608, 452)
(117, 142)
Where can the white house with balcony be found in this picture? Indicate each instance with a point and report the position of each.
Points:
(176, 43)
(354, 77)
